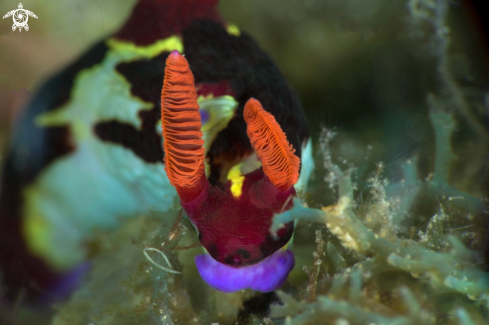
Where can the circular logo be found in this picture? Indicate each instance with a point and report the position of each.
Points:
(20, 18)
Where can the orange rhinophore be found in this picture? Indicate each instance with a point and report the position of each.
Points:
(180, 120)
(271, 145)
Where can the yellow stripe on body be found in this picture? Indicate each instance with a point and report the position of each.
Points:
(237, 180)
(168, 44)
(233, 30)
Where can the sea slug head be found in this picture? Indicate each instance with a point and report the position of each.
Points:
(233, 220)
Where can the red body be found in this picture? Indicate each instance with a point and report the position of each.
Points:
(234, 224)
(235, 230)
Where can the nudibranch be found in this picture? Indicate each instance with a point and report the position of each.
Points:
(233, 218)
(100, 116)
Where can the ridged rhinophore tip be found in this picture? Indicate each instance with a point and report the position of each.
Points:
(180, 121)
(252, 105)
(271, 145)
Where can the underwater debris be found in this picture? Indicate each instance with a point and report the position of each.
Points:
(316, 268)
(380, 209)
(167, 269)
(434, 237)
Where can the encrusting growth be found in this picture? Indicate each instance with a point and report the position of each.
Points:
(271, 145)
(180, 119)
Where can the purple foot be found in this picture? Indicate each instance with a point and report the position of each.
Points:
(265, 276)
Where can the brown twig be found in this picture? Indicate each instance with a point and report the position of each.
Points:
(316, 268)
